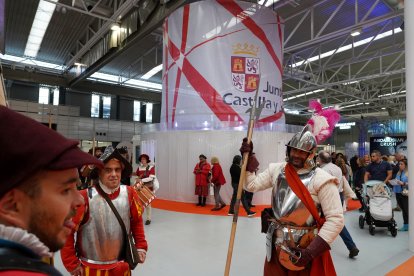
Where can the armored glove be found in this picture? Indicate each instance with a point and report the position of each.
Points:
(314, 250)
(245, 147)
(252, 163)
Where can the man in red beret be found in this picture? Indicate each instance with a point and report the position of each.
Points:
(146, 175)
(100, 239)
(38, 195)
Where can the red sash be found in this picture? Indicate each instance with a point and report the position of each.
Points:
(323, 264)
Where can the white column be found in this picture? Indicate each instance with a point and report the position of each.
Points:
(409, 77)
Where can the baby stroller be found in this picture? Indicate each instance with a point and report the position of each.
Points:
(378, 211)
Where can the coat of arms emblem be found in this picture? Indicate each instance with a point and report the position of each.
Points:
(245, 70)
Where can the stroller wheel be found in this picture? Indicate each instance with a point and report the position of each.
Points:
(372, 230)
(361, 221)
(394, 231)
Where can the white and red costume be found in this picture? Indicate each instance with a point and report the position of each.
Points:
(146, 173)
(99, 237)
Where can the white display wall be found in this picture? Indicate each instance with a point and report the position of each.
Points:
(176, 154)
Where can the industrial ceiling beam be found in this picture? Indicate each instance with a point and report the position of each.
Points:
(156, 20)
(90, 13)
(121, 11)
(344, 31)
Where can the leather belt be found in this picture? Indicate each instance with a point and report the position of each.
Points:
(99, 262)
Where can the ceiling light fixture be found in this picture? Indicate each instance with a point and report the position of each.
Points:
(40, 23)
(152, 72)
(270, 2)
(392, 93)
(356, 32)
(115, 27)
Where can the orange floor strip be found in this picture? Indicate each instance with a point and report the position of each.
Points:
(191, 208)
(406, 268)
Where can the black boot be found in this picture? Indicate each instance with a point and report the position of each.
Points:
(204, 201)
(199, 201)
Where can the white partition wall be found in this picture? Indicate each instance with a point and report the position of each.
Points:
(176, 154)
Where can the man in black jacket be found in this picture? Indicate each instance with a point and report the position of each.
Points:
(235, 171)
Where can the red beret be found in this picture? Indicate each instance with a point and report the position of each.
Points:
(144, 156)
(28, 147)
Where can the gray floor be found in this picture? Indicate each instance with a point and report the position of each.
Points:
(187, 244)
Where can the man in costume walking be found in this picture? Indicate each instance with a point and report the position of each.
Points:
(100, 238)
(306, 214)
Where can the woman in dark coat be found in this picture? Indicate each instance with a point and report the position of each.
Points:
(359, 180)
(235, 170)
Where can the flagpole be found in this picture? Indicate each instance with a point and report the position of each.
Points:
(240, 185)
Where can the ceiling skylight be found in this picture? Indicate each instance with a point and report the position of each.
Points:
(304, 94)
(347, 47)
(40, 23)
(32, 62)
(267, 3)
(102, 77)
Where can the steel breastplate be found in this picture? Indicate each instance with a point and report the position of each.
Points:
(101, 238)
(287, 207)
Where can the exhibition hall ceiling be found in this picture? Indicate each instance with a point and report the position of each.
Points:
(324, 57)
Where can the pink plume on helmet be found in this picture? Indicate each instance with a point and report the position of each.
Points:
(315, 105)
(323, 121)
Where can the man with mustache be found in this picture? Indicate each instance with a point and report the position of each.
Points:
(306, 214)
(38, 194)
(100, 240)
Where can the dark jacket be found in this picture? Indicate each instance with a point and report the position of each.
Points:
(359, 177)
(15, 258)
(235, 171)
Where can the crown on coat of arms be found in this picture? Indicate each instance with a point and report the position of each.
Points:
(246, 48)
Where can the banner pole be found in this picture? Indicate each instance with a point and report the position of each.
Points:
(240, 186)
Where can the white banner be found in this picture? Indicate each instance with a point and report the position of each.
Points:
(216, 55)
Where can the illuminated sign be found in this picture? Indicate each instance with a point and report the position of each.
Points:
(389, 144)
(347, 125)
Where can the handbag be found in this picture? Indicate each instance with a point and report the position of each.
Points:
(130, 251)
(404, 192)
(211, 189)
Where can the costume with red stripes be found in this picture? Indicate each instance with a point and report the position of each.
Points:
(99, 238)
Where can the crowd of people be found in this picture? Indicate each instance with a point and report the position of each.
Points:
(100, 229)
(389, 169)
(210, 176)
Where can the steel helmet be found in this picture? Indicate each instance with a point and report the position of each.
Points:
(303, 140)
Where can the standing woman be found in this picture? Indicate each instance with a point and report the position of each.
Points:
(201, 171)
(146, 173)
(218, 179)
(402, 200)
(235, 171)
(359, 180)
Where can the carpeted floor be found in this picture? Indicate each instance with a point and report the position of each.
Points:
(191, 208)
